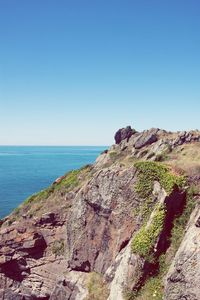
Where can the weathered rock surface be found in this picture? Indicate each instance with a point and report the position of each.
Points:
(100, 205)
(124, 133)
(183, 278)
(146, 138)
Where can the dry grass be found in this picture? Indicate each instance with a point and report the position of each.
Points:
(97, 289)
(186, 158)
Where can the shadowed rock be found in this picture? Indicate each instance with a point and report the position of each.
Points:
(123, 134)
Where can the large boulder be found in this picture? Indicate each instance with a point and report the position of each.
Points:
(146, 138)
(124, 133)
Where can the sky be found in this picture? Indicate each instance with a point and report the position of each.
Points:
(72, 72)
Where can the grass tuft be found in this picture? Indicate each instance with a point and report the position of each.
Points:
(97, 289)
(58, 247)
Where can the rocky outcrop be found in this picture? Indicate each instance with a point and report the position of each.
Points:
(99, 224)
(186, 137)
(24, 261)
(101, 219)
(146, 138)
(124, 134)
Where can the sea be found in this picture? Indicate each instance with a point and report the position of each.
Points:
(25, 170)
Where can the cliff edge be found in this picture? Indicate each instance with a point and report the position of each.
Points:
(126, 227)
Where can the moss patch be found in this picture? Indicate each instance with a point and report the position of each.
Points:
(155, 171)
(153, 289)
(115, 156)
(58, 247)
(146, 237)
(148, 173)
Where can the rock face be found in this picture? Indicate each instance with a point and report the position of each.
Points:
(183, 278)
(115, 219)
(146, 138)
(100, 205)
(124, 134)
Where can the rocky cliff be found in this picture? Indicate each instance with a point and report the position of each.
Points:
(126, 227)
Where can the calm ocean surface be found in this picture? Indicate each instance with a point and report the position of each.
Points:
(25, 170)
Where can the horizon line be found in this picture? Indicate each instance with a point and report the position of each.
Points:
(50, 145)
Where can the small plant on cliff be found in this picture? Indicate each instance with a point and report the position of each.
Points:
(114, 155)
(146, 237)
(97, 289)
(44, 194)
(129, 295)
(58, 247)
(69, 181)
(73, 178)
(153, 289)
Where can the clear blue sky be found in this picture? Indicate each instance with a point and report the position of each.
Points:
(73, 72)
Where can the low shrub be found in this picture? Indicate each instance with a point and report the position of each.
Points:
(145, 239)
(58, 247)
(97, 289)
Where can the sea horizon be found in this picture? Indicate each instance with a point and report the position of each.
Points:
(26, 170)
(46, 145)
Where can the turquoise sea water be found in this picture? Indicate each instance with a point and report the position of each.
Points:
(25, 170)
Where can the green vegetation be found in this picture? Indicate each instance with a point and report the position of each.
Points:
(146, 237)
(181, 221)
(35, 202)
(164, 154)
(153, 287)
(114, 155)
(97, 289)
(17, 211)
(150, 171)
(58, 247)
(69, 181)
(193, 190)
(66, 183)
(162, 157)
(42, 195)
(145, 209)
(129, 295)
